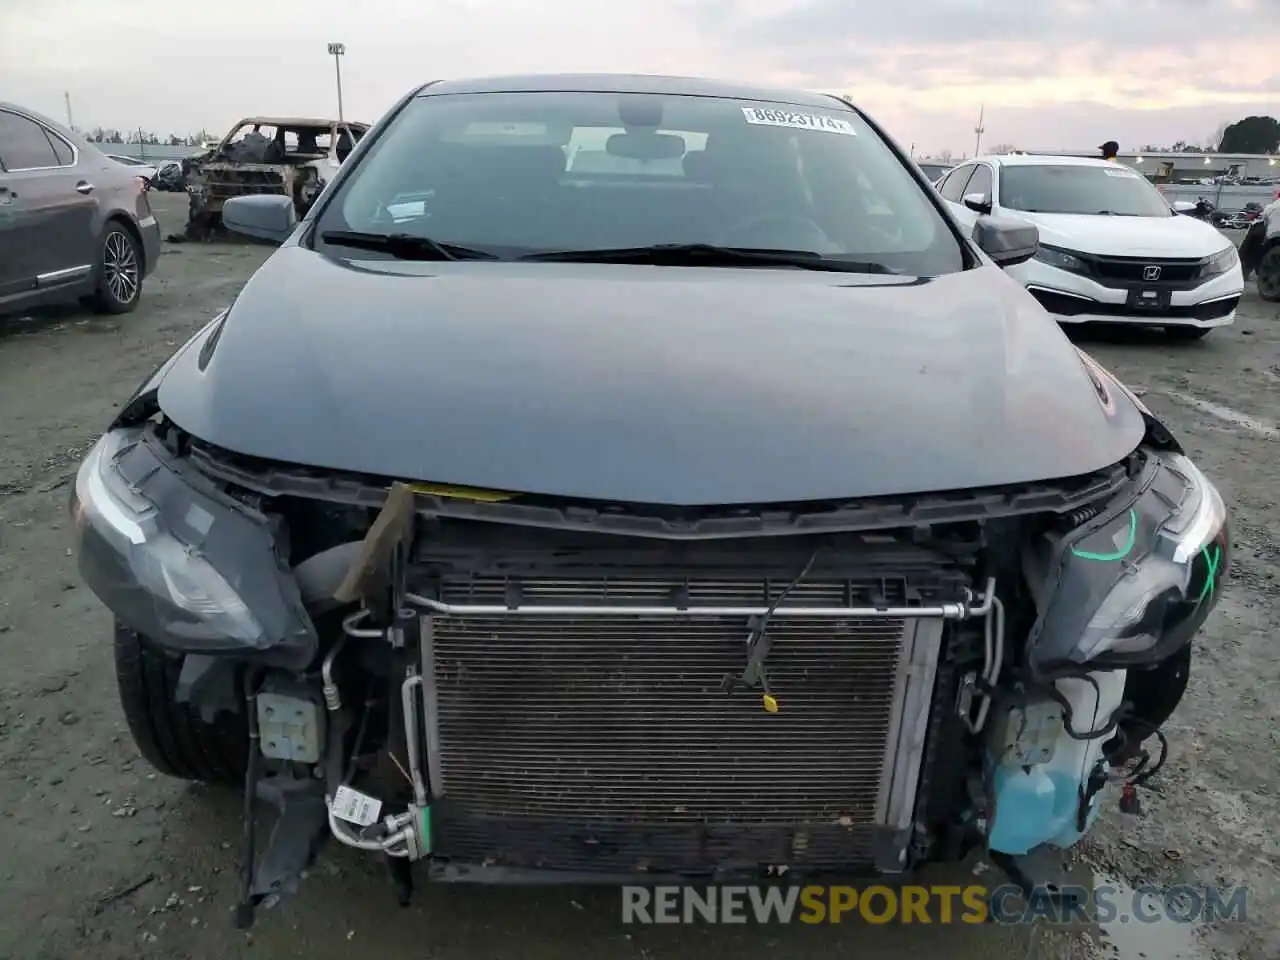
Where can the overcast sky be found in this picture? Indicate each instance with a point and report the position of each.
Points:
(1052, 73)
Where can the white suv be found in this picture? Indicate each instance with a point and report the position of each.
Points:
(1112, 250)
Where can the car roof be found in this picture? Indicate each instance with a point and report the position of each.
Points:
(76, 138)
(629, 83)
(296, 122)
(1042, 160)
(47, 121)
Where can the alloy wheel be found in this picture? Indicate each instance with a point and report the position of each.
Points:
(120, 272)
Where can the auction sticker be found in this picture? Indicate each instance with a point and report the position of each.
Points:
(355, 807)
(798, 121)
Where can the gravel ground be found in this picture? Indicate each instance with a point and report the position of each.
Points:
(106, 859)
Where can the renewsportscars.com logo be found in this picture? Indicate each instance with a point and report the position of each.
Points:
(972, 904)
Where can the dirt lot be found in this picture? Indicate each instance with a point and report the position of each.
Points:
(105, 859)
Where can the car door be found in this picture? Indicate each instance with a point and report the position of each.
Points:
(49, 229)
(978, 182)
(952, 186)
(14, 272)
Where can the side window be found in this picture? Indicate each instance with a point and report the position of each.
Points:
(953, 188)
(980, 182)
(66, 156)
(23, 144)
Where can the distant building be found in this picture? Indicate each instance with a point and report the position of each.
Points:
(1192, 168)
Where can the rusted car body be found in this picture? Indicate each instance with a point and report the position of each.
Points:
(293, 156)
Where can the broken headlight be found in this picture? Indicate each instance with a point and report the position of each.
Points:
(182, 565)
(1135, 582)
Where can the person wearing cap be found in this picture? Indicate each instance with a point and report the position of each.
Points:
(1110, 150)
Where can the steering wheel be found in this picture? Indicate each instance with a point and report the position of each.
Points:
(822, 243)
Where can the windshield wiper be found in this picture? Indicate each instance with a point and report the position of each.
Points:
(405, 246)
(710, 255)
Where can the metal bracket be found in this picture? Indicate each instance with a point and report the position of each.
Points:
(301, 822)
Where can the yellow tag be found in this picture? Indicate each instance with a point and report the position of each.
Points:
(770, 704)
(461, 493)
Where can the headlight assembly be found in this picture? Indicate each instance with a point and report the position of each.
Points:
(180, 564)
(1062, 259)
(1220, 262)
(1137, 581)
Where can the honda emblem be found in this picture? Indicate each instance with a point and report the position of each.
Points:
(1151, 272)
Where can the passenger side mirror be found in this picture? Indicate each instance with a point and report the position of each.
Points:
(1006, 240)
(264, 216)
(1183, 206)
(978, 202)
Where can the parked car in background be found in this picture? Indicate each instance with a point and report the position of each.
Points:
(747, 513)
(291, 156)
(73, 222)
(1112, 249)
(140, 167)
(169, 177)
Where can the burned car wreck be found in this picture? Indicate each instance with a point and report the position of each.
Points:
(286, 156)
(518, 548)
(1260, 252)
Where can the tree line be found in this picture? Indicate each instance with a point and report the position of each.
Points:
(1248, 135)
(147, 137)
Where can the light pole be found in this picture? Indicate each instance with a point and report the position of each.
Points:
(336, 50)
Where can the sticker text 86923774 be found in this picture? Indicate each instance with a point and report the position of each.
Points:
(770, 117)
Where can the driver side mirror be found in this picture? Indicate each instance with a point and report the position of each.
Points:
(265, 216)
(978, 202)
(1006, 240)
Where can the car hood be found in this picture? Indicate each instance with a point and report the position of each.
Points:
(662, 385)
(1176, 236)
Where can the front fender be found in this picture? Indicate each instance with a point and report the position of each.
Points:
(141, 404)
(1158, 435)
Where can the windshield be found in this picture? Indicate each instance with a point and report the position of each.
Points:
(1107, 190)
(934, 170)
(518, 174)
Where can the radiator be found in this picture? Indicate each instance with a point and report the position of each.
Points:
(610, 742)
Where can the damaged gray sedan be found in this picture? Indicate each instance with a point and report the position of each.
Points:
(713, 509)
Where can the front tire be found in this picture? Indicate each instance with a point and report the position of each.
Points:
(119, 271)
(1267, 275)
(171, 736)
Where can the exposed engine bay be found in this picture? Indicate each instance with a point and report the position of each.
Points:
(512, 688)
(289, 156)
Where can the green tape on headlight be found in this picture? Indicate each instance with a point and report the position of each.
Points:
(1135, 580)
